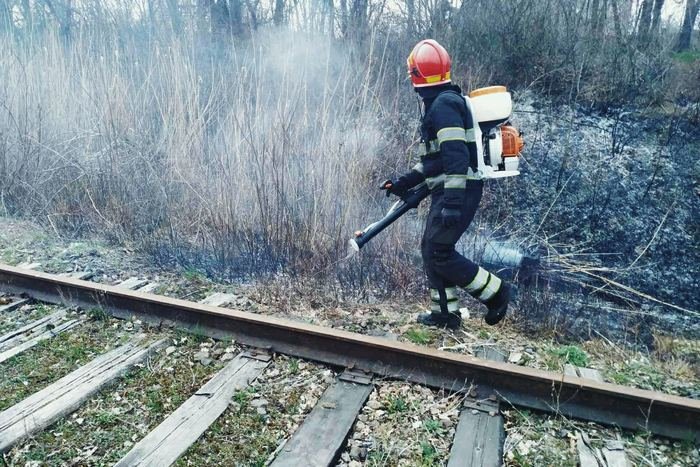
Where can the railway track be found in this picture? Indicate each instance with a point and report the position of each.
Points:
(487, 384)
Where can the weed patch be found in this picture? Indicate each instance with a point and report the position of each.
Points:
(572, 355)
(396, 404)
(420, 336)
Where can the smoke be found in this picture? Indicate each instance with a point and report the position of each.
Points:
(266, 152)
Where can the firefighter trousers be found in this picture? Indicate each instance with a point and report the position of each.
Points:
(445, 267)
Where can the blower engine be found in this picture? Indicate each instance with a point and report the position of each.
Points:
(498, 144)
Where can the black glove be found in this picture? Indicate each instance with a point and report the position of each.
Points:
(397, 188)
(450, 217)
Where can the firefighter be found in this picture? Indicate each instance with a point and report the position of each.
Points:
(448, 165)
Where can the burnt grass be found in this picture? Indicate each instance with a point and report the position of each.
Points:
(615, 194)
(612, 193)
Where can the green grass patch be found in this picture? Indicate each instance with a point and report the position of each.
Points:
(687, 56)
(420, 336)
(429, 455)
(192, 275)
(433, 426)
(396, 404)
(638, 374)
(106, 419)
(97, 314)
(570, 354)
(293, 366)
(52, 359)
(244, 396)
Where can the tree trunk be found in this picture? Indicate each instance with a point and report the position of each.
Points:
(67, 25)
(656, 18)
(686, 34)
(236, 15)
(151, 19)
(644, 21)
(358, 20)
(595, 6)
(252, 11)
(220, 18)
(343, 18)
(616, 21)
(331, 18)
(411, 20)
(278, 15)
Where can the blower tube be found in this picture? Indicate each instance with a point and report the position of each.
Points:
(409, 201)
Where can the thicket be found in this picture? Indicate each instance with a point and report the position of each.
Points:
(248, 137)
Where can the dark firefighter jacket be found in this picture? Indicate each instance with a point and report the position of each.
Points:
(448, 153)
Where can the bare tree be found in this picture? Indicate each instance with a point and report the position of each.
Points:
(236, 16)
(278, 16)
(644, 23)
(691, 14)
(329, 14)
(252, 7)
(358, 23)
(616, 20)
(656, 18)
(649, 21)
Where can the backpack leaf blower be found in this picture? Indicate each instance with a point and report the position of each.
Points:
(498, 153)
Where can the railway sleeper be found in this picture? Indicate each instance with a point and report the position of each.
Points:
(576, 397)
(43, 408)
(169, 440)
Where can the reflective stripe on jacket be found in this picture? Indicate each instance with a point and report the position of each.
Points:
(448, 153)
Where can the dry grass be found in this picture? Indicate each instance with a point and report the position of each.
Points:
(262, 159)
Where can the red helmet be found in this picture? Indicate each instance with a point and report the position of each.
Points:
(429, 64)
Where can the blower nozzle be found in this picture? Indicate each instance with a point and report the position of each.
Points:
(409, 201)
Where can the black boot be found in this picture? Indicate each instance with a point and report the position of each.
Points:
(498, 305)
(440, 319)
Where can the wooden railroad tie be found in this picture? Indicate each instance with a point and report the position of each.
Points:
(170, 439)
(16, 303)
(132, 283)
(480, 433)
(41, 409)
(26, 337)
(151, 287)
(319, 439)
(80, 275)
(613, 452)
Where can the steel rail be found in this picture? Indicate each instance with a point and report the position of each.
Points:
(575, 397)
